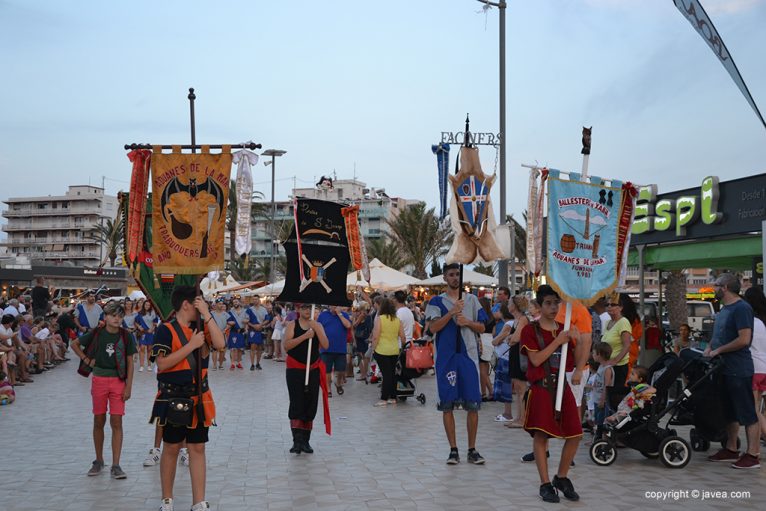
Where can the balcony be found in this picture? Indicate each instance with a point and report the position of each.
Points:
(47, 226)
(46, 241)
(35, 212)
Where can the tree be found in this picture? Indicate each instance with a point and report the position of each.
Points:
(258, 209)
(386, 251)
(435, 268)
(110, 234)
(419, 236)
(520, 244)
(485, 269)
(675, 294)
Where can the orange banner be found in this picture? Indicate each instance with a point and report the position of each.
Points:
(190, 193)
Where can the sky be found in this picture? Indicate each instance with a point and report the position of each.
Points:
(365, 87)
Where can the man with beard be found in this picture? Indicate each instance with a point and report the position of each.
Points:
(455, 325)
(89, 315)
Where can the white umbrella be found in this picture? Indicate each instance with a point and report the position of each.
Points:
(136, 295)
(210, 286)
(270, 289)
(470, 278)
(383, 277)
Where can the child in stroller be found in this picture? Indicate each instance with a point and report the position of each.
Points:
(640, 394)
(640, 428)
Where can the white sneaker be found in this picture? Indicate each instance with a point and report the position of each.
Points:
(167, 505)
(201, 506)
(152, 458)
(141, 369)
(184, 460)
(502, 418)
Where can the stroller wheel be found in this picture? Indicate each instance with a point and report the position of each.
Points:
(650, 455)
(422, 399)
(675, 452)
(602, 453)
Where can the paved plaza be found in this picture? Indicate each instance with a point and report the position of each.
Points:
(377, 458)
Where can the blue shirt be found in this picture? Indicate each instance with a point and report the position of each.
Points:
(728, 323)
(335, 331)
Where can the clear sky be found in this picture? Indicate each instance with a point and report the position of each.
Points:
(369, 85)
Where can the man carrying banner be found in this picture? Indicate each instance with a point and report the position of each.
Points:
(454, 323)
(541, 342)
(173, 350)
(304, 399)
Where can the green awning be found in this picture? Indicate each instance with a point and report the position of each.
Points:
(731, 254)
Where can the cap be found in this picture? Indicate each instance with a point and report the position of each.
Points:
(728, 281)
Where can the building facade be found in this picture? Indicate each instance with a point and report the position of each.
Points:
(58, 229)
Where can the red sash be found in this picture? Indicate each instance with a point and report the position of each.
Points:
(294, 364)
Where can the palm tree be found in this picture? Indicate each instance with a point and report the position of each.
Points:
(675, 294)
(231, 214)
(520, 243)
(485, 270)
(109, 234)
(386, 251)
(419, 236)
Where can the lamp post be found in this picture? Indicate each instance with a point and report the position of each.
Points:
(273, 153)
(501, 5)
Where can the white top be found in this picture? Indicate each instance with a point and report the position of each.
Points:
(605, 319)
(9, 333)
(758, 346)
(43, 334)
(13, 311)
(408, 321)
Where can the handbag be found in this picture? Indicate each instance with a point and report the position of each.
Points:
(85, 369)
(180, 410)
(487, 348)
(419, 357)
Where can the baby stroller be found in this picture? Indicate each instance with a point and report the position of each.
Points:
(641, 429)
(405, 384)
(704, 409)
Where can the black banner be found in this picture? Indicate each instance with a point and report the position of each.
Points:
(325, 268)
(320, 220)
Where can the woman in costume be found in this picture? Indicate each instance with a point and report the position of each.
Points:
(146, 322)
(303, 401)
(541, 342)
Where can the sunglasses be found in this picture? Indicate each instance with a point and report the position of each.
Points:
(612, 304)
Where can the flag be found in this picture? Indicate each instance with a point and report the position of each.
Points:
(190, 194)
(695, 13)
(243, 238)
(442, 167)
(587, 226)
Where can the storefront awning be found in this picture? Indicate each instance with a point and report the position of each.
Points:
(731, 254)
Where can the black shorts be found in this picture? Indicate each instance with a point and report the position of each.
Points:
(738, 400)
(177, 434)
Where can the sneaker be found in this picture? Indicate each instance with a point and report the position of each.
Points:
(454, 457)
(252, 367)
(258, 366)
(565, 486)
(475, 458)
(232, 367)
(747, 461)
(724, 455)
(184, 458)
(382, 402)
(117, 473)
(152, 458)
(239, 366)
(95, 468)
(141, 369)
(166, 505)
(215, 368)
(502, 418)
(530, 457)
(548, 493)
(391, 401)
(201, 506)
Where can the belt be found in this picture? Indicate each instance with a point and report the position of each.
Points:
(174, 390)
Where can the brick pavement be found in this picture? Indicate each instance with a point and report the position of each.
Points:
(378, 458)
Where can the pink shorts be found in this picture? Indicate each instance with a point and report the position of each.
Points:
(759, 382)
(106, 389)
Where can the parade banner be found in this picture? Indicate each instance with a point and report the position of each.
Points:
(588, 225)
(441, 151)
(695, 13)
(189, 199)
(243, 241)
(471, 213)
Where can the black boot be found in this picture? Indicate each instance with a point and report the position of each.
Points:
(296, 448)
(305, 447)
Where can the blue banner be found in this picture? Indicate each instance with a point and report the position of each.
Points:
(442, 163)
(695, 13)
(583, 260)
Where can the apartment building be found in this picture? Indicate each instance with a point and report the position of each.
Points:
(58, 229)
(375, 207)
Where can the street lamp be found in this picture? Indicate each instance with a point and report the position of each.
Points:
(501, 5)
(274, 153)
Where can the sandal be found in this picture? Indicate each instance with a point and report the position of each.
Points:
(339, 390)
(513, 424)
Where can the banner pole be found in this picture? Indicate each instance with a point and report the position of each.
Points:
(308, 355)
(563, 365)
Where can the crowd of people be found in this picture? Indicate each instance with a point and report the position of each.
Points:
(505, 350)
